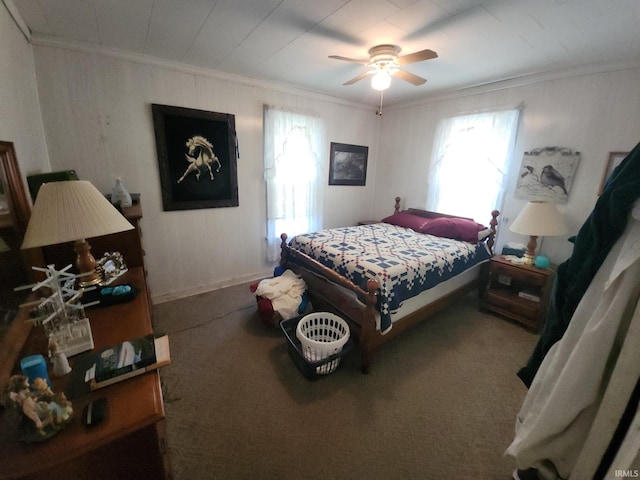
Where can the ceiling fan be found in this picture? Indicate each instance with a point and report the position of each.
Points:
(385, 62)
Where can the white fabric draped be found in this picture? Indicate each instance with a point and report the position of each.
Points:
(293, 153)
(585, 381)
(469, 161)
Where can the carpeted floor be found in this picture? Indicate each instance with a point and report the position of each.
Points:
(440, 402)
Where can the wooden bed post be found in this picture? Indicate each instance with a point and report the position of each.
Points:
(368, 327)
(492, 226)
(283, 250)
(396, 208)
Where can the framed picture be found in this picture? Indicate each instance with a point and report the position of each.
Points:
(615, 159)
(197, 158)
(546, 174)
(348, 164)
(110, 267)
(35, 181)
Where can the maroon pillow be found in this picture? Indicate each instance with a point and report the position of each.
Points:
(456, 228)
(407, 220)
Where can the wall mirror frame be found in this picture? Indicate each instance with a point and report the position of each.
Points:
(13, 187)
(14, 218)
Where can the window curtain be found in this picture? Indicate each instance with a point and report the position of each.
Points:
(470, 157)
(293, 149)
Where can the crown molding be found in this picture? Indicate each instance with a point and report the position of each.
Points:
(521, 81)
(450, 94)
(88, 48)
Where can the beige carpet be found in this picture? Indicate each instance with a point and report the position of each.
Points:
(440, 402)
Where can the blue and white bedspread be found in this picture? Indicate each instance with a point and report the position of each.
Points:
(404, 262)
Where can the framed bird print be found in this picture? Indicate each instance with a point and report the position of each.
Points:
(546, 174)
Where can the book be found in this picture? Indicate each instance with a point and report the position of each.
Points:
(128, 359)
(529, 296)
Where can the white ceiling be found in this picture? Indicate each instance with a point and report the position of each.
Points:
(289, 41)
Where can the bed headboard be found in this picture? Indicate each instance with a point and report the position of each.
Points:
(429, 214)
(493, 223)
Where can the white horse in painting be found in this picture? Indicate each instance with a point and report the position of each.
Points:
(200, 155)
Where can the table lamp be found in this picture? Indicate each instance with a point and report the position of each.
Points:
(538, 219)
(69, 211)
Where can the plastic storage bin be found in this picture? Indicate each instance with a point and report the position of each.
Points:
(322, 357)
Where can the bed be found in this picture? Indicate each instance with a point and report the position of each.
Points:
(385, 277)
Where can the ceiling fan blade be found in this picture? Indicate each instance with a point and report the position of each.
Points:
(417, 57)
(410, 77)
(345, 59)
(359, 77)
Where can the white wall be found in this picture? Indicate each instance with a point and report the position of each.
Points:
(592, 113)
(97, 118)
(20, 118)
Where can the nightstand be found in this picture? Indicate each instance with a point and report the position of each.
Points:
(518, 292)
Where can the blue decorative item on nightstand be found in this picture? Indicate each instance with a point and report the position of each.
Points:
(542, 261)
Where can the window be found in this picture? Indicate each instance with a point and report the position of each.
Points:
(293, 144)
(470, 157)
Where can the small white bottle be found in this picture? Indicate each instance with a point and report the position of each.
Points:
(120, 195)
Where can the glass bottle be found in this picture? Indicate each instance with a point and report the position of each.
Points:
(120, 195)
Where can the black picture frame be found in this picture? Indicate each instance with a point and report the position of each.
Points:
(197, 158)
(348, 164)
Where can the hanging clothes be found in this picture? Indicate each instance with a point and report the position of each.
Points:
(591, 246)
(573, 386)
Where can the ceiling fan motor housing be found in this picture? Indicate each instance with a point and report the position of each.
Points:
(384, 54)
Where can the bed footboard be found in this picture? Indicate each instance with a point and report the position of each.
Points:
(338, 294)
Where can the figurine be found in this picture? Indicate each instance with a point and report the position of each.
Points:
(44, 411)
(41, 389)
(61, 409)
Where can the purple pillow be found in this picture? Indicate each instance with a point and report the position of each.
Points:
(407, 220)
(456, 228)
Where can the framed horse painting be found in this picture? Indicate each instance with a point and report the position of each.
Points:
(197, 158)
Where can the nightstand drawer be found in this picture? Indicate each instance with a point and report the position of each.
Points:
(529, 276)
(514, 304)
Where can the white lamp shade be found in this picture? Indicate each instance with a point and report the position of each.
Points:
(69, 211)
(541, 219)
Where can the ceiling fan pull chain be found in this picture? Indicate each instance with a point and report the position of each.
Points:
(379, 111)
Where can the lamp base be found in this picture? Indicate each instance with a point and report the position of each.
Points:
(86, 263)
(530, 254)
(90, 283)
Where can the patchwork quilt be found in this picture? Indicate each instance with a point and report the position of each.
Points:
(404, 262)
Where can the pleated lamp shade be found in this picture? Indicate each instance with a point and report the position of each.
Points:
(69, 211)
(538, 219)
(72, 211)
(541, 219)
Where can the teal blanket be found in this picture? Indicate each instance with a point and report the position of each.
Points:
(592, 244)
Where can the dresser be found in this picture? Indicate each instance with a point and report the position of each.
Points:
(130, 443)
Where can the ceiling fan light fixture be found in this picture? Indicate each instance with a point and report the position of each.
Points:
(384, 63)
(381, 80)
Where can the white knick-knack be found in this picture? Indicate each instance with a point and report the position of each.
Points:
(60, 364)
(120, 195)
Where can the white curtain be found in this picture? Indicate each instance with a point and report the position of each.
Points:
(469, 161)
(293, 167)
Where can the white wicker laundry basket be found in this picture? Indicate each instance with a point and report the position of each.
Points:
(322, 334)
